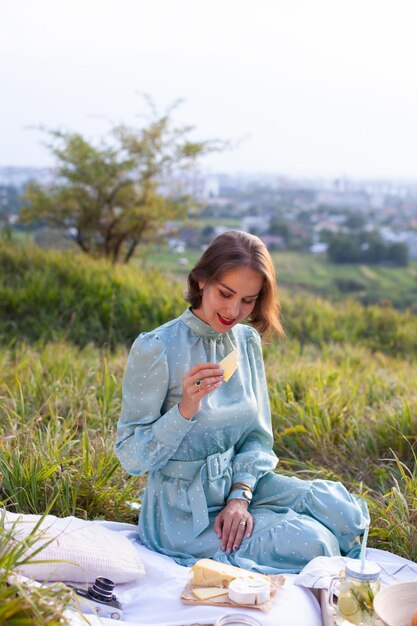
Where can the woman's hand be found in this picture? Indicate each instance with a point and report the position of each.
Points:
(232, 523)
(210, 376)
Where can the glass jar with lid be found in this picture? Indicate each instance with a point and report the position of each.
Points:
(357, 588)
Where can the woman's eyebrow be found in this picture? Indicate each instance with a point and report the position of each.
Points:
(233, 291)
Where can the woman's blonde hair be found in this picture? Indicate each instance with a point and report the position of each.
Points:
(230, 251)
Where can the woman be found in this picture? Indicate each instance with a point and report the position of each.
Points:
(206, 442)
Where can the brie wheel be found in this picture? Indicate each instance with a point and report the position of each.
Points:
(249, 591)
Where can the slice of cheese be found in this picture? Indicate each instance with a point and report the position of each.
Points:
(209, 573)
(206, 593)
(229, 364)
(249, 591)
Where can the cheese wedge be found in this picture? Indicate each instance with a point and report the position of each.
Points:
(250, 592)
(206, 593)
(229, 364)
(210, 573)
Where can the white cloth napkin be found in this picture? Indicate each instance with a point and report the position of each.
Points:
(319, 572)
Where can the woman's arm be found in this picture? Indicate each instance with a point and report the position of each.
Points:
(146, 438)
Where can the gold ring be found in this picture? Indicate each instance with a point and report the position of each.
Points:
(197, 383)
(242, 523)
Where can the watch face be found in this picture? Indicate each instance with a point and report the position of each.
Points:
(248, 495)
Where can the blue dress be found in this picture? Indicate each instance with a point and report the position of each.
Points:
(192, 464)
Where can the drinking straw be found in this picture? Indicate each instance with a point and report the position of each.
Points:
(363, 548)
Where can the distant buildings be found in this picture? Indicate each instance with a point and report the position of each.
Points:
(288, 213)
(20, 176)
(256, 225)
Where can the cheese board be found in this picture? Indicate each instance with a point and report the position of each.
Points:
(221, 584)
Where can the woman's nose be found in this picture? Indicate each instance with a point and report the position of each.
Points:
(233, 309)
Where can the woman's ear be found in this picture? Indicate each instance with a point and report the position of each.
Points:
(201, 284)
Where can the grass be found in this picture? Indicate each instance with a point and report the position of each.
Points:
(165, 260)
(58, 408)
(343, 413)
(337, 406)
(394, 513)
(21, 603)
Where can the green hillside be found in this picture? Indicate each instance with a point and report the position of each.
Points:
(300, 272)
(369, 284)
(56, 295)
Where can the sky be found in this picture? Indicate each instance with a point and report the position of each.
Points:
(299, 87)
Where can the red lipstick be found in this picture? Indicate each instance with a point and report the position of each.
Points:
(223, 321)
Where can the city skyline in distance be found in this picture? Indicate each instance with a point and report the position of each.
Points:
(303, 89)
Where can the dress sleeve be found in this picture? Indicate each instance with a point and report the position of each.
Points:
(146, 439)
(254, 453)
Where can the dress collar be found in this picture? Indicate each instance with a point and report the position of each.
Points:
(197, 326)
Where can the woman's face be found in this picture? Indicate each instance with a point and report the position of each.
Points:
(230, 300)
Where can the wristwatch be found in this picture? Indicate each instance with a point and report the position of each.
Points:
(242, 494)
(241, 491)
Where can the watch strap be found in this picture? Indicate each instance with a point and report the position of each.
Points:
(241, 485)
(241, 494)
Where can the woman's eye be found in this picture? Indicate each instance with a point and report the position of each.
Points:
(225, 295)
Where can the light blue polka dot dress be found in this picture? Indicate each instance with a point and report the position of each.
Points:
(192, 464)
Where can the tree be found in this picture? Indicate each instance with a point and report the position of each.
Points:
(115, 196)
(397, 253)
(355, 221)
(372, 247)
(343, 249)
(279, 227)
(366, 247)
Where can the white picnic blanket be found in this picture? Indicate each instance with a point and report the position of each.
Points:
(155, 598)
(394, 569)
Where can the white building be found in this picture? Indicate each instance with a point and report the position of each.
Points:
(256, 224)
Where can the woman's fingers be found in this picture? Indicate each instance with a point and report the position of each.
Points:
(249, 526)
(205, 384)
(199, 381)
(202, 378)
(218, 525)
(236, 534)
(205, 370)
(232, 524)
(199, 367)
(234, 530)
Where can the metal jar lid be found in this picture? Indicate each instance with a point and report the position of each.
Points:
(237, 619)
(370, 571)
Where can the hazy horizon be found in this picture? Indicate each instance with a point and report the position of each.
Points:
(258, 175)
(312, 89)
